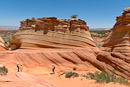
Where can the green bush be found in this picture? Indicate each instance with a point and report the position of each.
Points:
(74, 68)
(105, 77)
(70, 74)
(13, 47)
(33, 18)
(99, 31)
(74, 16)
(85, 76)
(3, 70)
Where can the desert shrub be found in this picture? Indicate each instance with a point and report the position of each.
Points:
(13, 47)
(74, 68)
(70, 74)
(3, 70)
(33, 18)
(105, 77)
(74, 16)
(85, 76)
(123, 81)
(99, 31)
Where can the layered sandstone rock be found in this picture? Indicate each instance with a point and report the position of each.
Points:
(119, 38)
(38, 61)
(51, 32)
(70, 33)
(2, 44)
(118, 46)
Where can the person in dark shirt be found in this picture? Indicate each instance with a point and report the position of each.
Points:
(53, 68)
(18, 65)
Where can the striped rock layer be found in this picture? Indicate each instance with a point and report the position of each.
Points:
(50, 32)
(119, 38)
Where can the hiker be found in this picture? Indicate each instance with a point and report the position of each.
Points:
(18, 65)
(53, 68)
(21, 67)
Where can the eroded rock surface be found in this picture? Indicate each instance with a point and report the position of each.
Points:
(72, 34)
(117, 46)
(119, 38)
(51, 32)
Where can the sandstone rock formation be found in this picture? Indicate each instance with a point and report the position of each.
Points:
(50, 32)
(118, 46)
(73, 34)
(2, 44)
(22, 79)
(38, 61)
(119, 38)
(37, 66)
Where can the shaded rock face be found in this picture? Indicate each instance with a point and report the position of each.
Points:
(119, 38)
(51, 32)
(2, 44)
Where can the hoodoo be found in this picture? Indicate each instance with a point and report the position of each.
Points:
(50, 32)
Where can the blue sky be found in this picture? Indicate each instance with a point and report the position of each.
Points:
(97, 13)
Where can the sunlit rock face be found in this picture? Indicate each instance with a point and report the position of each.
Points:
(119, 38)
(50, 32)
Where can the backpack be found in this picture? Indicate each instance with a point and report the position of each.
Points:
(53, 67)
(18, 65)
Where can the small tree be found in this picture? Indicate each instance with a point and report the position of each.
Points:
(74, 16)
(3, 70)
(74, 68)
(33, 18)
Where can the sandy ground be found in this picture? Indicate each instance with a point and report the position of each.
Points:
(47, 79)
(77, 81)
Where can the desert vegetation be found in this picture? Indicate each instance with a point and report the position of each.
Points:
(99, 77)
(3, 70)
(98, 36)
(74, 68)
(7, 36)
(13, 47)
(105, 77)
(74, 16)
(70, 74)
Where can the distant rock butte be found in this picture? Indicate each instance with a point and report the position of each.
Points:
(2, 44)
(119, 38)
(50, 32)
